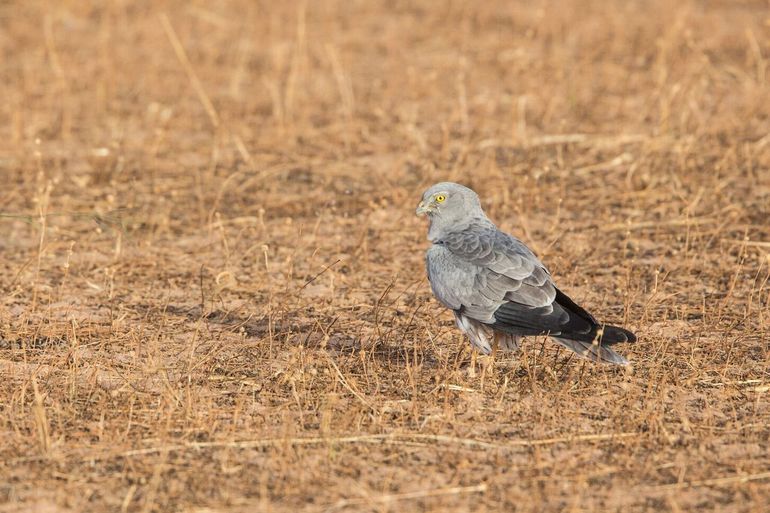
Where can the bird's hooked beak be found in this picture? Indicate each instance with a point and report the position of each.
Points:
(423, 208)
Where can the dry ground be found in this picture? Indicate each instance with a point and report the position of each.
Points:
(213, 295)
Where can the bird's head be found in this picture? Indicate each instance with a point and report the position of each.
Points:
(449, 206)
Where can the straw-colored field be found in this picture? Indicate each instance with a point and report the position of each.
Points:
(212, 286)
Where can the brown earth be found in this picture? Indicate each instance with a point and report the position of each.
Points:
(213, 294)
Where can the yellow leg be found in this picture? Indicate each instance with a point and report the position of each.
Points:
(489, 363)
(495, 346)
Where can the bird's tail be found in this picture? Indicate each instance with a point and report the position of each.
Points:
(593, 351)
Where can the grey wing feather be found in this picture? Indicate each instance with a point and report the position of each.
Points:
(480, 270)
(504, 268)
(510, 287)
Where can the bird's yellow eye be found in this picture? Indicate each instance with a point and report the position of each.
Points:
(440, 198)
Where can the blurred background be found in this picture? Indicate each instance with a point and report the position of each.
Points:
(207, 236)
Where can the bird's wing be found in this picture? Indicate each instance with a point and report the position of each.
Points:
(494, 278)
(480, 269)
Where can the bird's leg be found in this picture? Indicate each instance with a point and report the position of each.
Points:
(495, 347)
(489, 362)
(472, 370)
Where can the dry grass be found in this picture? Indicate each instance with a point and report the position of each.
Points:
(213, 295)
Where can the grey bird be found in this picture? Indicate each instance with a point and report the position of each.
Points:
(497, 288)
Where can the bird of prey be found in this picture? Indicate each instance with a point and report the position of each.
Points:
(497, 288)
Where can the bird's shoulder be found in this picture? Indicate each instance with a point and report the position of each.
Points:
(484, 242)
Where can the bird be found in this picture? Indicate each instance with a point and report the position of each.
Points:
(497, 288)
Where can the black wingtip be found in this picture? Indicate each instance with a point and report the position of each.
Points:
(615, 335)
